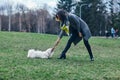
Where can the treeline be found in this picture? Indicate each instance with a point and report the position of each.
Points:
(20, 18)
(96, 13)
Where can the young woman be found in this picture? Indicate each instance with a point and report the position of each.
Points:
(76, 28)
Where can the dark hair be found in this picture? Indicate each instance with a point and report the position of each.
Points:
(62, 15)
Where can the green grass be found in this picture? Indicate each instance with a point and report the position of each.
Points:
(14, 64)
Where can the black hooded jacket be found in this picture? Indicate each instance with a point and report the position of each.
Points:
(76, 25)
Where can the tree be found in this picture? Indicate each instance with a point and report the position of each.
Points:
(42, 16)
(1, 13)
(115, 14)
(21, 10)
(19, 18)
(28, 20)
(65, 4)
(112, 12)
(94, 14)
(9, 12)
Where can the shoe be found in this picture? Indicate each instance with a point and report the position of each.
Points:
(63, 56)
(92, 59)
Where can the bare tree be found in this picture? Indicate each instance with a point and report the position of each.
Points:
(0, 23)
(1, 13)
(38, 21)
(21, 10)
(28, 20)
(18, 7)
(23, 19)
(42, 21)
(42, 16)
(9, 12)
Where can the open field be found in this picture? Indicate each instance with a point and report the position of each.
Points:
(14, 65)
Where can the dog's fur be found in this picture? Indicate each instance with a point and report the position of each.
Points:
(40, 54)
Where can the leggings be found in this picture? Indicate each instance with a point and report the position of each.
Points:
(86, 43)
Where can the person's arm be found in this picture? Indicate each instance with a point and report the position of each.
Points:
(56, 43)
(58, 40)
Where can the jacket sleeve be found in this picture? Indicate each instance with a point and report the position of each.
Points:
(65, 23)
(61, 34)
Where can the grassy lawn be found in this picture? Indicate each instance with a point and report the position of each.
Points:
(14, 64)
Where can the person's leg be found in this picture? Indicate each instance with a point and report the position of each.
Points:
(112, 35)
(68, 45)
(87, 45)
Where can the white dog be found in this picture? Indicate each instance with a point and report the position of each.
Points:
(40, 54)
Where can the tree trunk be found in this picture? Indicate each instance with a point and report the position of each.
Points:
(9, 25)
(0, 23)
(38, 25)
(20, 23)
(29, 26)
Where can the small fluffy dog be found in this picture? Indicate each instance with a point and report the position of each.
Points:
(40, 54)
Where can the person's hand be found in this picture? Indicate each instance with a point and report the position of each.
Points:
(52, 49)
(80, 35)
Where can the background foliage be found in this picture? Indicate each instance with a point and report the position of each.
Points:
(99, 15)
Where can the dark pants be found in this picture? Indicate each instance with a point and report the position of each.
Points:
(72, 39)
